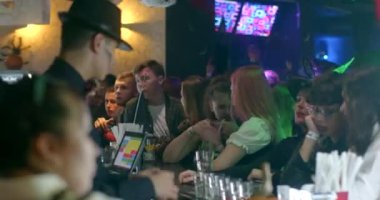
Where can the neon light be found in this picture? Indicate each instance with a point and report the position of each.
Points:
(343, 68)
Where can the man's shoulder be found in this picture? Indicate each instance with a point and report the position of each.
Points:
(131, 102)
(174, 103)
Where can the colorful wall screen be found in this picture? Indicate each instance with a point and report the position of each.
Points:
(255, 19)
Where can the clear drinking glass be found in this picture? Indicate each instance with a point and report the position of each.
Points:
(108, 155)
(217, 187)
(199, 185)
(211, 186)
(203, 159)
(150, 149)
(224, 183)
(249, 189)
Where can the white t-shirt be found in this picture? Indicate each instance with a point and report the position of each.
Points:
(158, 114)
(367, 181)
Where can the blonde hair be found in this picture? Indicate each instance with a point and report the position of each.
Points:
(126, 76)
(129, 79)
(253, 95)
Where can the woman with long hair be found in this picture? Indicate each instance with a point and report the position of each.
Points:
(283, 151)
(192, 92)
(361, 106)
(253, 106)
(325, 129)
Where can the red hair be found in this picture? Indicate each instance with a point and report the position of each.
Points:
(253, 96)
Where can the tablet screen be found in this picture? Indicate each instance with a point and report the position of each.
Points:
(128, 151)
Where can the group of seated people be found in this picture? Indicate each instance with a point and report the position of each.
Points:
(237, 115)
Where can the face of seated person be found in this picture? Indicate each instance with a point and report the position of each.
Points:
(124, 90)
(111, 106)
(327, 119)
(300, 109)
(72, 156)
(148, 82)
(220, 105)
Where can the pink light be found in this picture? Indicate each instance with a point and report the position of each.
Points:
(377, 7)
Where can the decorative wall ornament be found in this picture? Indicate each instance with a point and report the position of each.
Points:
(11, 54)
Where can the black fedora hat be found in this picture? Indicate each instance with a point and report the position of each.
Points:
(98, 15)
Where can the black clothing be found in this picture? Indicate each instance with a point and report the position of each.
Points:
(127, 188)
(63, 71)
(298, 172)
(174, 116)
(283, 151)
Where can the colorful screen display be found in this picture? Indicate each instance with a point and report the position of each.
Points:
(128, 151)
(255, 19)
(226, 13)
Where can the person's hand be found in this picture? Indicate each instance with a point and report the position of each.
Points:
(103, 123)
(164, 186)
(256, 174)
(207, 132)
(186, 176)
(310, 124)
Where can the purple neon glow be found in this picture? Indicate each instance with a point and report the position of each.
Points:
(257, 19)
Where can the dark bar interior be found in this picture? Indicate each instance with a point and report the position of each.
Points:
(190, 99)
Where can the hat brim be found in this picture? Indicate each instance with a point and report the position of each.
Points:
(123, 45)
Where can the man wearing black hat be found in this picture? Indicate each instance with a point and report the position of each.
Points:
(90, 34)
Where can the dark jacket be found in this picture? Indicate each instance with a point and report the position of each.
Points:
(298, 172)
(63, 71)
(175, 114)
(283, 151)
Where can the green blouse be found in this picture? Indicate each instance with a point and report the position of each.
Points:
(253, 135)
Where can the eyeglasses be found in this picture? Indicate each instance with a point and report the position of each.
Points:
(326, 111)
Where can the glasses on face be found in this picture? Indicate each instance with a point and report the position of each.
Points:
(326, 111)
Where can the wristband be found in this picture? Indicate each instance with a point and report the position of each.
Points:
(312, 135)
